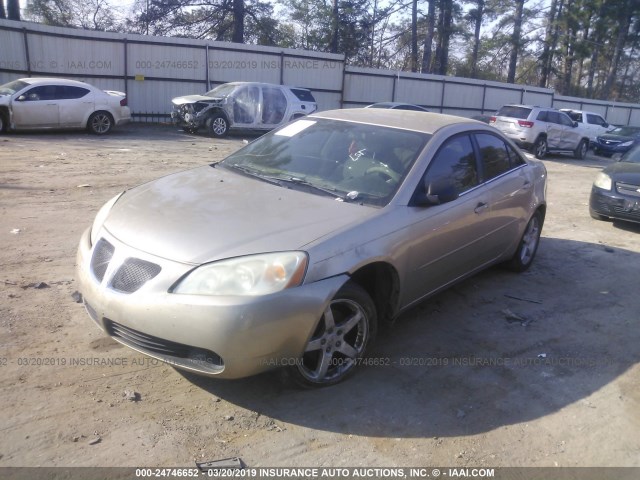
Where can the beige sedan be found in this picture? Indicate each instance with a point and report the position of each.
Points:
(292, 251)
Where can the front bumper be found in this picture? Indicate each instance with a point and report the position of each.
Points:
(223, 336)
(613, 205)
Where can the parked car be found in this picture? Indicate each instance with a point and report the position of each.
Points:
(242, 105)
(52, 103)
(589, 122)
(398, 106)
(618, 140)
(541, 130)
(291, 251)
(616, 190)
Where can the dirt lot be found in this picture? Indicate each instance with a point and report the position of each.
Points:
(559, 387)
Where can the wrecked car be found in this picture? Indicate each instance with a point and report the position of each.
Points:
(242, 105)
(353, 217)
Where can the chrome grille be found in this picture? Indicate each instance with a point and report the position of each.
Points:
(133, 274)
(102, 255)
(628, 189)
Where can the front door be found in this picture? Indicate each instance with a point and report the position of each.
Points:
(36, 108)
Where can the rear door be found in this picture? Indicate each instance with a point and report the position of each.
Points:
(504, 173)
(274, 106)
(74, 105)
(554, 128)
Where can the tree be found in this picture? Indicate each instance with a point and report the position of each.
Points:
(2, 12)
(13, 9)
(428, 41)
(515, 40)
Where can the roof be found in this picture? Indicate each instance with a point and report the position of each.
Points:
(59, 81)
(425, 122)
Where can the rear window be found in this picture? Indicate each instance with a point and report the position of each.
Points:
(303, 95)
(514, 112)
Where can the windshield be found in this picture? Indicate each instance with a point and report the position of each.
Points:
(344, 160)
(626, 131)
(223, 90)
(632, 156)
(12, 87)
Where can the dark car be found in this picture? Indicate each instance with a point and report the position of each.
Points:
(616, 190)
(398, 106)
(618, 140)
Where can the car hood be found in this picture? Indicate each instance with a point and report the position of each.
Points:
(194, 99)
(207, 213)
(5, 99)
(626, 172)
(617, 138)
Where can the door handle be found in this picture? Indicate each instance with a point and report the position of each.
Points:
(481, 207)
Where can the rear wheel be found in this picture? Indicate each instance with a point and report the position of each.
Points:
(581, 150)
(523, 258)
(100, 123)
(540, 147)
(347, 327)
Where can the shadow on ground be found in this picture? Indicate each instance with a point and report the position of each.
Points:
(497, 349)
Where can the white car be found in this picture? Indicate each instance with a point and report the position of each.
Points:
(50, 103)
(590, 123)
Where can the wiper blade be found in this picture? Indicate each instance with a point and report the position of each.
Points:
(327, 190)
(254, 172)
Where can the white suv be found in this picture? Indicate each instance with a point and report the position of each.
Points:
(589, 122)
(541, 130)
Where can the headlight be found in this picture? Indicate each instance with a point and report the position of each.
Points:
(251, 275)
(101, 217)
(626, 144)
(603, 181)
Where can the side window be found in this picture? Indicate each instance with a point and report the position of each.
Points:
(494, 156)
(514, 157)
(67, 92)
(595, 120)
(542, 116)
(42, 92)
(455, 163)
(565, 120)
(553, 117)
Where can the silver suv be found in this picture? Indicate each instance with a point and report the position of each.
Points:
(541, 130)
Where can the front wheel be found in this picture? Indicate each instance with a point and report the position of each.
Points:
(100, 123)
(3, 123)
(581, 150)
(540, 147)
(348, 325)
(218, 125)
(528, 246)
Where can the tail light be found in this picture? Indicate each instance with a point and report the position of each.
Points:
(123, 102)
(525, 123)
(492, 119)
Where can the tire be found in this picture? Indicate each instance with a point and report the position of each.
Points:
(218, 125)
(3, 123)
(346, 329)
(540, 147)
(100, 123)
(528, 246)
(581, 150)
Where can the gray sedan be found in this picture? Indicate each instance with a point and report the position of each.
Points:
(292, 251)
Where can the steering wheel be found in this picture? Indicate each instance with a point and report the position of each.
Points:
(385, 172)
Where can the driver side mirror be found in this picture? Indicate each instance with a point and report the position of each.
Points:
(575, 124)
(435, 193)
(21, 98)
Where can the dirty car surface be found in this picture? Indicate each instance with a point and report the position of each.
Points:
(291, 251)
(242, 105)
